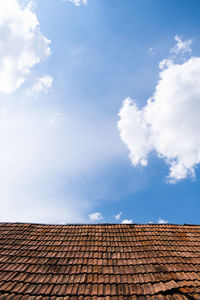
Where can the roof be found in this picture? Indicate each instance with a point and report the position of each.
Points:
(99, 261)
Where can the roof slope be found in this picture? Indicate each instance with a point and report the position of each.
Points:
(99, 261)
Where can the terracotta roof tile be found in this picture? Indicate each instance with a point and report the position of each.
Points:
(145, 262)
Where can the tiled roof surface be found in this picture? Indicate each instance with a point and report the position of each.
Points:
(99, 261)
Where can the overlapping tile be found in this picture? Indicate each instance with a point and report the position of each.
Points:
(99, 261)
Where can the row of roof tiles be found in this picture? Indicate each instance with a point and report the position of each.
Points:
(97, 278)
(112, 261)
(174, 296)
(97, 289)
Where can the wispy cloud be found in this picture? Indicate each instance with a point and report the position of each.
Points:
(183, 47)
(169, 123)
(118, 216)
(56, 118)
(22, 44)
(79, 2)
(42, 84)
(151, 51)
(46, 151)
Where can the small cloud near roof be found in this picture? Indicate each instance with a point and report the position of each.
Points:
(96, 216)
(126, 221)
(161, 221)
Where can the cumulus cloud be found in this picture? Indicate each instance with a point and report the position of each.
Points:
(134, 132)
(169, 124)
(43, 84)
(118, 216)
(22, 44)
(79, 2)
(126, 221)
(96, 216)
(161, 221)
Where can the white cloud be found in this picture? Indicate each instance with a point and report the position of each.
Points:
(22, 44)
(151, 51)
(165, 63)
(183, 47)
(134, 132)
(169, 123)
(126, 221)
(118, 216)
(161, 221)
(55, 118)
(79, 2)
(43, 84)
(96, 216)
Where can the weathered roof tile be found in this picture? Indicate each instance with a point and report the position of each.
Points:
(145, 262)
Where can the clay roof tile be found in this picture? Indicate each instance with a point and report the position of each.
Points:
(104, 261)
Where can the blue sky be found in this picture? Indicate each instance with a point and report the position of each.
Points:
(66, 154)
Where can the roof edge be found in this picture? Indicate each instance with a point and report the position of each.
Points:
(99, 224)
